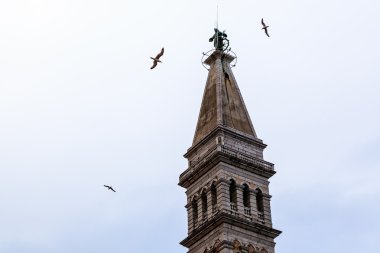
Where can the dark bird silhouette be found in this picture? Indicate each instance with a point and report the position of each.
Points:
(109, 188)
(156, 59)
(265, 27)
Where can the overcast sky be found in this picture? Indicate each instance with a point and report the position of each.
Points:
(79, 108)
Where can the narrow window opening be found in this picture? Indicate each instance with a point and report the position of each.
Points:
(204, 205)
(246, 200)
(259, 201)
(213, 198)
(246, 195)
(195, 212)
(260, 206)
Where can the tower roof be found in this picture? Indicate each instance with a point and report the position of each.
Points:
(222, 103)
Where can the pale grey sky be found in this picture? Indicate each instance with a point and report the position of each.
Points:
(79, 108)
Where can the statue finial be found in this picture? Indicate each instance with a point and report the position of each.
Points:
(220, 40)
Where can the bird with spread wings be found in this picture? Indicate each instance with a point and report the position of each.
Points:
(109, 188)
(265, 27)
(157, 59)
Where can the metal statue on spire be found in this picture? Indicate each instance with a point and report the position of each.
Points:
(220, 40)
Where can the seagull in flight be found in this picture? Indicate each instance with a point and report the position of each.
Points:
(156, 59)
(109, 188)
(265, 27)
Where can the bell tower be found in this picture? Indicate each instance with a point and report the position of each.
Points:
(227, 179)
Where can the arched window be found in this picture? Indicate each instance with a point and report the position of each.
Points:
(233, 195)
(246, 200)
(259, 200)
(260, 205)
(246, 196)
(194, 206)
(213, 197)
(204, 205)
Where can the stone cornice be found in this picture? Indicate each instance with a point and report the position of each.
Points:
(226, 218)
(228, 131)
(192, 174)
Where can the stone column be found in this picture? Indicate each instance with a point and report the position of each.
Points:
(252, 198)
(209, 203)
(239, 200)
(267, 210)
(223, 196)
(189, 217)
(199, 202)
(204, 213)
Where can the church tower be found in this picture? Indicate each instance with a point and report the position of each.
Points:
(227, 179)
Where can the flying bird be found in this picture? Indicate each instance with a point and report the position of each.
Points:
(109, 188)
(156, 59)
(265, 27)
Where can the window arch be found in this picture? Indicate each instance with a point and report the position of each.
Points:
(259, 200)
(260, 205)
(246, 196)
(246, 200)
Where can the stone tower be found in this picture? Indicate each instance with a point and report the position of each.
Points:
(227, 179)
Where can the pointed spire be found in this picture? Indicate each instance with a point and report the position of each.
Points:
(222, 103)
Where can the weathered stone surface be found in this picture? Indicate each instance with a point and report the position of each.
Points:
(222, 102)
(227, 154)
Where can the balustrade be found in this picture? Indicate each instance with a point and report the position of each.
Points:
(260, 216)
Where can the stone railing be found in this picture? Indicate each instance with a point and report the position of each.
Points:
(233, 207)
(260, 217)
(247, 158)
(247, 211)
(234, 210)
(194, 165)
